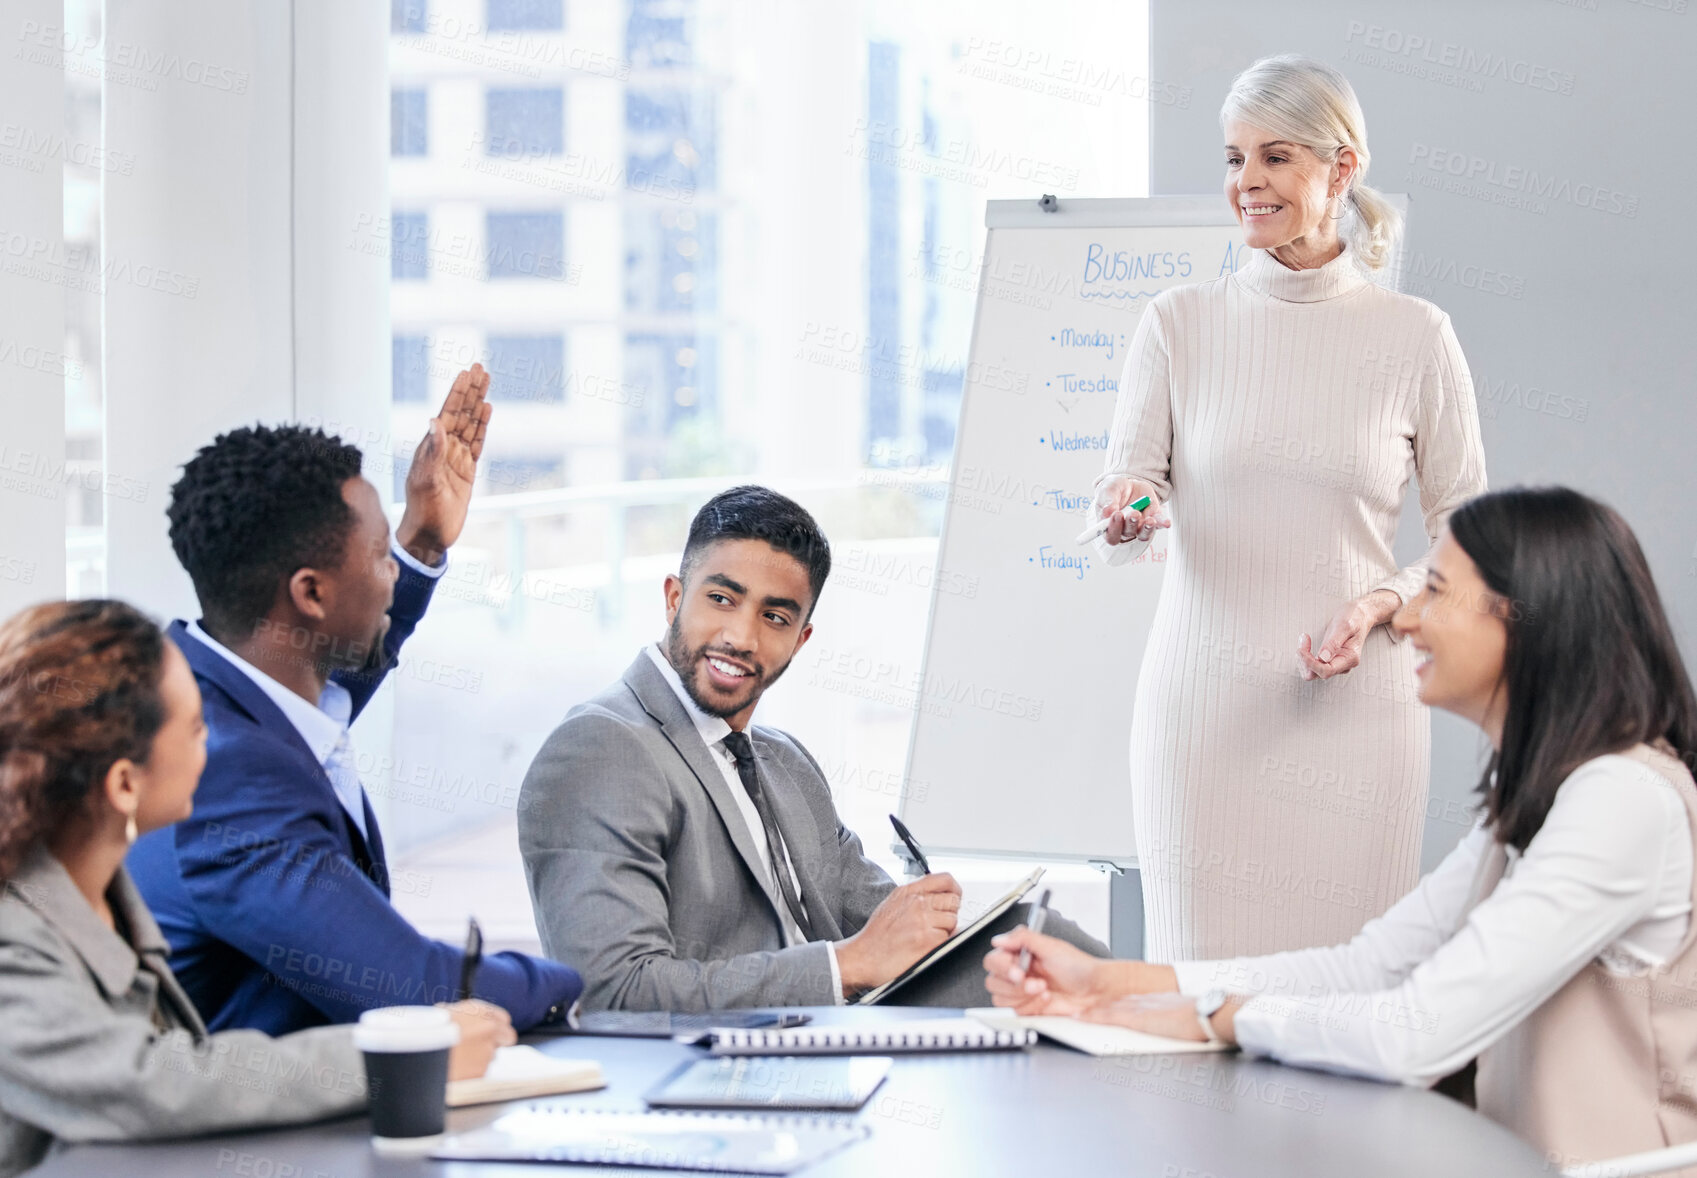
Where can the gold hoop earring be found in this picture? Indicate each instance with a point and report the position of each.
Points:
(130, 832)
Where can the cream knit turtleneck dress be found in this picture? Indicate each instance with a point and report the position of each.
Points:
(1281, 414)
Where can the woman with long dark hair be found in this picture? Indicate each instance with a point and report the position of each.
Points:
(101, 738)
(1556, 943)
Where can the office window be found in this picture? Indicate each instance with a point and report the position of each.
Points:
(671, 259)
(750, 295)
(409, 246)
(526, 14)
(410, 380)
(526, 245)
(85, 397)
(670, 135)
(676, 432)
(525, 122)
(527, 368)
(512, 475)
(660, 33)
(942, 406)
(886, 384)
(408, 16)
(409, 121)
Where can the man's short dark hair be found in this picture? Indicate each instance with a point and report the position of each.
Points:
(760, 513)
(257, 504)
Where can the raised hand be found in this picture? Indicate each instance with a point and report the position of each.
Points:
(444, 467)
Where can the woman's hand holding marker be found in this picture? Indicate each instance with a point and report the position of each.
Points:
(1129, 510)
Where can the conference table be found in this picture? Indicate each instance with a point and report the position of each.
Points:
(1044, 1111)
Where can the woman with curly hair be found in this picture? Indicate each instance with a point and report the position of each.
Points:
(101, 738)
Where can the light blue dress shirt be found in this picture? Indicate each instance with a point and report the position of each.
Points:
(324, 728)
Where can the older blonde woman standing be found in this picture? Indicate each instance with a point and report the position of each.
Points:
(1279, 756)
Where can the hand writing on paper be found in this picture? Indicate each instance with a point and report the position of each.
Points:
(483, 1029)
(913, 920)
(1063, 979)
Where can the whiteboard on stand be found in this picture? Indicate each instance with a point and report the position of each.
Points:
(1020, 739)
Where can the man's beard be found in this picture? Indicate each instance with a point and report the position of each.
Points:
(378, 660)
(684, 661)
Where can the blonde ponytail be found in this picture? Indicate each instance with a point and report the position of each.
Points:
(1374, 226)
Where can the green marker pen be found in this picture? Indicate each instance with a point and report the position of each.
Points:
(1101, 525)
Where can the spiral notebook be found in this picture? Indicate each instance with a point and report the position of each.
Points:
(669, 1141)
(918, 1036)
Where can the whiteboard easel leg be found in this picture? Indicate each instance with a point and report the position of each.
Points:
(1125, 913)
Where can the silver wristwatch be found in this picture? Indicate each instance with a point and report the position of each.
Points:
(1206, 1005)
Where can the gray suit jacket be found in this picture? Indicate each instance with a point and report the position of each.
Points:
(644, 874)
(98, 1042)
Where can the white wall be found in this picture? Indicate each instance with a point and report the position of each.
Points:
(252, 158)
(341, 183)
(209, 201)
(32, 312)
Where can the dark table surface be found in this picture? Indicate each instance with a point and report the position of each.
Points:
(1041, 1112)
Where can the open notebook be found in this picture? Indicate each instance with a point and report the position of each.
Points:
(962, 935)
(519, 1073)
(1092, 1038)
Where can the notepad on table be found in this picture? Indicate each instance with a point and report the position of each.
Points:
(1091, 1038)
(960, 937)
(519, 1073)
(916, 1036)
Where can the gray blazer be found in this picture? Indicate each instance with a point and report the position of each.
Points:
(98, 1042)
(644, 874)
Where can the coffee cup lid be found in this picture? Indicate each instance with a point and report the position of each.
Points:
(406, 1028)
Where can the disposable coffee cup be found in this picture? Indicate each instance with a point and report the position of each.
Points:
(406, 1074)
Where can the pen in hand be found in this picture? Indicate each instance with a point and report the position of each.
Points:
(906, 836)
(1102, 525)
(472, 959)
(1034, 921)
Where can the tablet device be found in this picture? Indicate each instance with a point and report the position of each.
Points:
(838, 1084)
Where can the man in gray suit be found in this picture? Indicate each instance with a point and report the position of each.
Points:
(685, 860)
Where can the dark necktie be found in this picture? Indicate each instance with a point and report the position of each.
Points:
(740, 748)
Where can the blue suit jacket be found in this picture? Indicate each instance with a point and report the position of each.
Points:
(276, 908)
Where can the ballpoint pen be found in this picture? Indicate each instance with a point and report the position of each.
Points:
(473, 958)
(1034, 921)
(913, 847)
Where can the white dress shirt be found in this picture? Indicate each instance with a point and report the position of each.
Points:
(713, 730)
(324, 728)
(1428, 986)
